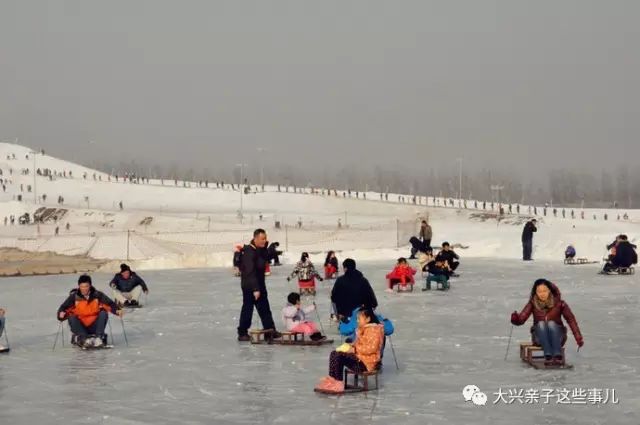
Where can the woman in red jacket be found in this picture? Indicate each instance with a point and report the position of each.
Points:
(548, 330)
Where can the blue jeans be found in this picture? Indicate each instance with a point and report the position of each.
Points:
(549, 336)
(1, 325)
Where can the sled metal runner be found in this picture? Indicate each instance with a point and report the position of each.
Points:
(578, 261)
(261, 337)
(620, 271)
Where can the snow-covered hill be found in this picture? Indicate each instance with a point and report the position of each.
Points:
(164, 224)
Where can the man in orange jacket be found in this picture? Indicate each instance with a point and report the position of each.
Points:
(87, 310)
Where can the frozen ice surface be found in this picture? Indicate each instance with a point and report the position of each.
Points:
(184, 366)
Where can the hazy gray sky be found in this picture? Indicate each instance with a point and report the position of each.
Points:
(532, 84)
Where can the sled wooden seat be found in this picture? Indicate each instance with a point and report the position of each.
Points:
(533, 354)
(261, 336)
(307, 287)
(292, 337)
(440, 286)
(407, 287)
(360, 376)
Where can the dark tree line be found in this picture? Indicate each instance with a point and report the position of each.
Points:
(607, 187)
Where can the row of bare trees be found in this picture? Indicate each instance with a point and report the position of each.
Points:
(610, 187)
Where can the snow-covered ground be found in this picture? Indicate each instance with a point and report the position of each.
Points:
(167, 226)
(183, 364)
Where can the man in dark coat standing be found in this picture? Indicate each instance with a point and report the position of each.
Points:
(254, 288)
(527, 239)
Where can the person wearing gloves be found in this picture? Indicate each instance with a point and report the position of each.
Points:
(548, 331)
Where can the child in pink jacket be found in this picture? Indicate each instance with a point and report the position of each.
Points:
(294, 316)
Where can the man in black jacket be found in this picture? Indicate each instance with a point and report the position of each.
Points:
(127, 287)
(352, 290)
(449, 257)
(527, 239)
(254, 288)
(624, 257)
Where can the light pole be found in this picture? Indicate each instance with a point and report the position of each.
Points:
(460, 178)
(35, 192)
(261, 152)
(241, 187)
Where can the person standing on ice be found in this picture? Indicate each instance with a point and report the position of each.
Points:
(426, 234)
(2, 313)
(527, 239)
(127, 287)
(548, 331)
(254, 287)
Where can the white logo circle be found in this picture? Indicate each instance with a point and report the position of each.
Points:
(479, 399)
(469, 391)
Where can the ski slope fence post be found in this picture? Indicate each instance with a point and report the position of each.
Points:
(286, 237)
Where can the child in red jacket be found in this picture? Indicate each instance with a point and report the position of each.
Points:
(402, 274)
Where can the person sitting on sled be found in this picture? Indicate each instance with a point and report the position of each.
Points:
(438, 272)
(623, 255)
(331, 266)
(127, 287)
(401, 274)
(363, 355)
(294, 316)
(87, 310)
(548, 330)
(447, 254)
(569, 253)
(424, 258)
(305, 271)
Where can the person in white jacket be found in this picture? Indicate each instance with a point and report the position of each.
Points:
(294, 316)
